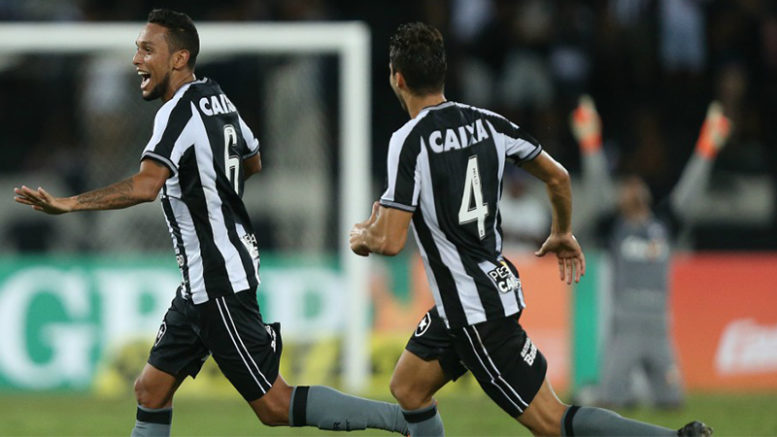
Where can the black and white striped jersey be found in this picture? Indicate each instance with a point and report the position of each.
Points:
(446, 166)
(201, 138)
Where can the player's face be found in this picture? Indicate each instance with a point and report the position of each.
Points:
(153, 61)
(395, 88)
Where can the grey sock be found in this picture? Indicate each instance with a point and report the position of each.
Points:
(424, 422)
(326, 408)
(589, 421)
(152, 422)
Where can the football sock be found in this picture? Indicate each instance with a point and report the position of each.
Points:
(330, 409)
(589, 421)
(152, 422)
(424, 422)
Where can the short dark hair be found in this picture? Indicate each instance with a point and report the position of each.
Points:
(181, 33)
(417, 51)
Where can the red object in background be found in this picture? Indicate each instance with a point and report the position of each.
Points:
(724, 315)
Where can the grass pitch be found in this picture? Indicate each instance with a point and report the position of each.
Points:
(463, 414)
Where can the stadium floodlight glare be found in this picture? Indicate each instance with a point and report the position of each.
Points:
(348, 40)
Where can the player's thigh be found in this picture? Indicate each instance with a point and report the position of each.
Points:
(505, 362)
(246, 349)
(428, 362)
(176, 353)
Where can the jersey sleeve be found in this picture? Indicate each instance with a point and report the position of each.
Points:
(169, 123)
(252, 143)
(519, 145)
(403, 185)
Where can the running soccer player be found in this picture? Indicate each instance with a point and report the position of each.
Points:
(639, 239)
(445, 169)
(199, 155)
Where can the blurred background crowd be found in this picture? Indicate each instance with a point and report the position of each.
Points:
(652, 66)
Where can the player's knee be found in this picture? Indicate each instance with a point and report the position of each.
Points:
(546, 429)
(147, 396)
(409, 396)
(272, 414)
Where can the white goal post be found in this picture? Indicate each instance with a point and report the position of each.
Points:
(348, 40)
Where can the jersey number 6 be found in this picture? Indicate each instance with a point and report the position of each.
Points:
(472, 187)
(231, 162)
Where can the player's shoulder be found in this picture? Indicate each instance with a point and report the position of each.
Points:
(492, 116)
(408, 130)
(185, 96)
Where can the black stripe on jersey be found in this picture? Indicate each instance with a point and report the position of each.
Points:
(504, 126)
(179, 116)
(214, 272)
(405, 181)
(232, 206)
(448, 291)
(177, 120)
(179, 245)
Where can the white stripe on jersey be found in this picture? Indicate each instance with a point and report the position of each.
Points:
(395, 149)
(191, 248)
(251, 141)
(432, 281)
(500, 156)
(238, 277)
(465, 284)
(240, 232)
(515, 146)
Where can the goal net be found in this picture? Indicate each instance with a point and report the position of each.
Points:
(74, 120)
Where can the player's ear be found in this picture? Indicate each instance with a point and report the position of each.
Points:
(400, 80)
(180, 59)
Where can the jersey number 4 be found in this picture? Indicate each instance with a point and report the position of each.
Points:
(469, 213)
(231, 162)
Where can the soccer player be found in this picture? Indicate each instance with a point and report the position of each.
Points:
(639, 239)
(445, 169)
(199, 155)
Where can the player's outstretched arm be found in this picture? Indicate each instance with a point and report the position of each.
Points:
(586, 127)
(384, 233)
(144, 186)
(571, 261)
(695, 177)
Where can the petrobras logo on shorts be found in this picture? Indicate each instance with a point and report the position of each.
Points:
(271, 333)
(504, 279)
(747, 347)
(529, 352)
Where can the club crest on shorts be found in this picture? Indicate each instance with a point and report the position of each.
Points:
(423, 325)
(160, 333)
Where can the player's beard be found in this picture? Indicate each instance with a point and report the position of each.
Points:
(159, 90)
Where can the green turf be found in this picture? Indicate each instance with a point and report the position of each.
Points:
(464, 415)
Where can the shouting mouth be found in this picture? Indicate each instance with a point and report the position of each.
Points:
(145, 79)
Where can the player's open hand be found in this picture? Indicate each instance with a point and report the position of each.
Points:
(41, 200)
(571, 261)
